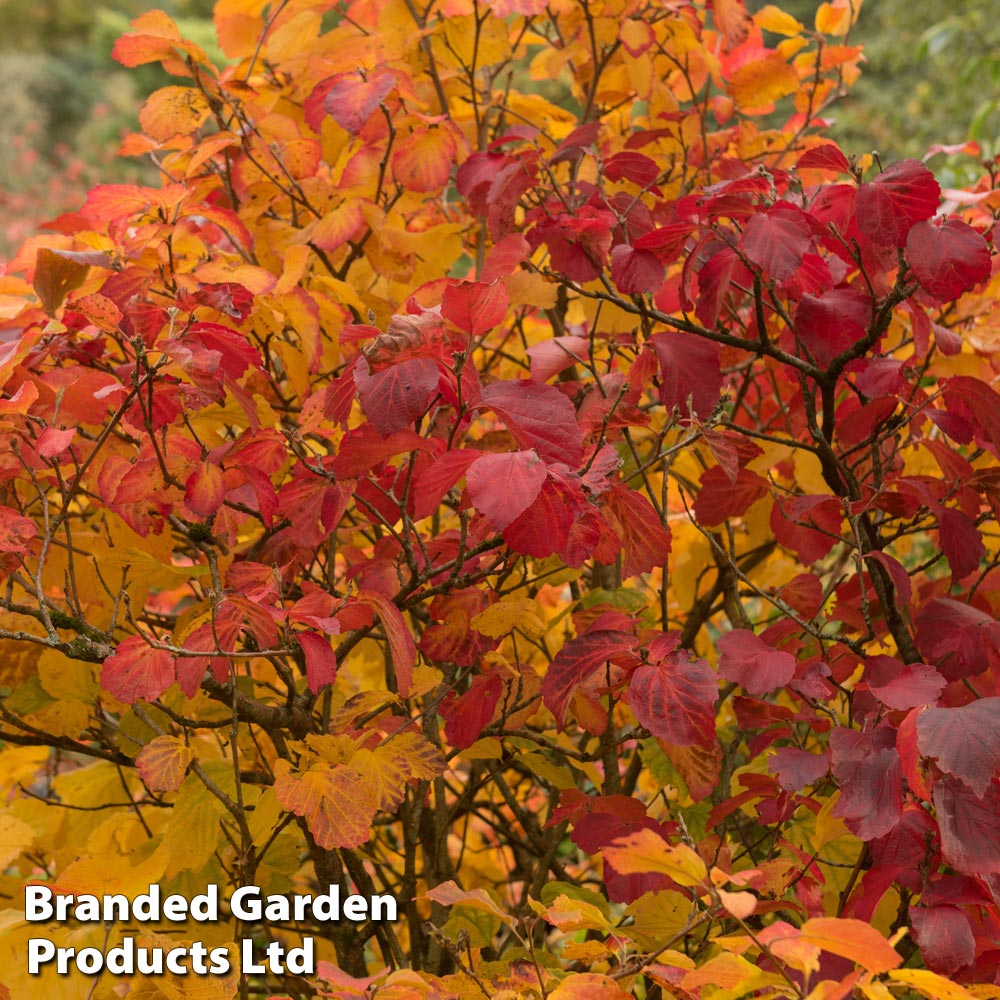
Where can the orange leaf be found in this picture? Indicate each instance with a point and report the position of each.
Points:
(155, 37)
(732, 19)
(739, 904)
(55, 277)
(852, 939)
(172, 111)
(401, 645)
(763, 81)
(449, 894)
(337, 802)
(647, 851)
(163, 762)
(588, 986)
(423, 160)
(343, 223)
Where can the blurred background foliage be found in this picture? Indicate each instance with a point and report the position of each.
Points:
(933, 77)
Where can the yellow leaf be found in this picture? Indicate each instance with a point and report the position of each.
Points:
(488, 748)
(647, 851)
(193, 832)
(163, 762)
(932, 985)
(502, 618)
(728, 972)
(774, 19)
(193, 987)
(835, 18)
(63, 678)
(63, 718)
(103, 876)
(474, 44)
(15, 837)
(265, 817)
(576, 915)
(530, 289)
(658, 916)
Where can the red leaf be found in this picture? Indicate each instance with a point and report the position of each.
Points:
(396, 396)
(719, 499)
(474, 306)
(795, 769)
(138, 672)
(808, 525)
(234, 353)
(53, 441)
(901, 196)
(715, 278)
(689, 369)
(504, 258)
(555, 355)
(906, 746)
(975, 402)
(969, 828)
(579, 244)
(666, 242)
(897, 573)
(350, 99)
(401, 645)
(902, 687)
(454, 640)
(870, 773)
(578, 661)
(959, 639)
(946, 941)
(632, 166)
(635, 271)
(501, 487)
(468, 714)
(824, 157)
(961, 543)
(321, 661)
(205, 489)
(15, 531)
(645, 541)
(538, 416)
(751, 663)
(432, 482)
(830, 323)
(543, 529)
(948, 258)
(777, 239)
(675, 699)
(965, 741)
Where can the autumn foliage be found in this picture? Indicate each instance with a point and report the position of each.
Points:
(516, 463)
